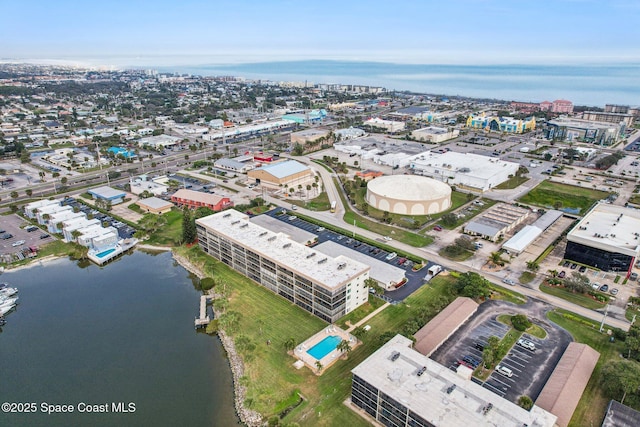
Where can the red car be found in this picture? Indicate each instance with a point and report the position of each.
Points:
(402, 261)
(437, 228)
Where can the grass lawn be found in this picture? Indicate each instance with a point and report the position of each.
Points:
(135, 208)
(527, 277)
(512, 183)
(361, 312)
(632, 312)
(583, 300)
(635, 199)
(507, 295)
(320, 203)
(455, 256)
(593, 403)
(549, 194)
(408, 237)
(270, 377)
(170, 233)
(534, 330)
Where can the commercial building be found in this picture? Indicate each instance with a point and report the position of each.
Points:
(434, 134)
(313, 116)
(501, 124)
(468, 170)
(565, 129)
(408, 195)
(240, 164)
(619, 415)
(523, 238)
(525, 107)
(142, 183)
(557, 106)
(288, 173)
(108, 194)
(599, 116)
(350, 133)
(329, 287)
(388, 125)
(309, 135)
(159, 142)
(607, 238)
(369, 174)
(198, 199)
(397, 386)
(496, 222)
(154, 205)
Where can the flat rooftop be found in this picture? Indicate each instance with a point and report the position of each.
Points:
(427, 395)
(330, 272)
(464, 163)
(295, 233)
(609, 227)
(381, 271)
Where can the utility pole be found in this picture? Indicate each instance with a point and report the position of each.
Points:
(606, 308)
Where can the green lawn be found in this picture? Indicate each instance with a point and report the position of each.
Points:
(455, 256)
(534, 330)
(635, 199)
(593, 403)
(270, 377)
(507, 294)
(320, 203)
(170, 233)
(361, 312)
(527, 277)
(552, 194)
(583, 300)
(511, 183)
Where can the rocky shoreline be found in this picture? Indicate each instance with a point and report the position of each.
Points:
(246, 415)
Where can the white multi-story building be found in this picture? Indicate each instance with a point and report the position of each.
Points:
(329, 287)
(388, 125)
(31, 209)
(464, 169)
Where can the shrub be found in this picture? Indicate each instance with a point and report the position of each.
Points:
(525, 402)
(520, 322)
(207, 283)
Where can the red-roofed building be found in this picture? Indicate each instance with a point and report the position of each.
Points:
(562, 106)
(198, 199)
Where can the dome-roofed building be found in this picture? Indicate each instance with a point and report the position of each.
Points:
(408, 195)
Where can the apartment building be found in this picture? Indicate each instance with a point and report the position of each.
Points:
(329, 287)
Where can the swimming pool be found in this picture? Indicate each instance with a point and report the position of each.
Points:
(324, 347)
(105, 253)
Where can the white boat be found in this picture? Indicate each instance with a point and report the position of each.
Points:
(6, 301)
(7, 292)
(5, 309)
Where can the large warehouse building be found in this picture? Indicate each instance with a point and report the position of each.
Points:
(326, 286)
(282, 174)
(397, 386)
(408, 195)
(465, 169)
(607, 238)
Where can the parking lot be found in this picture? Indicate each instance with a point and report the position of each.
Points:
(124, 231)
(414, 279)
(530, 369)
(12, 225)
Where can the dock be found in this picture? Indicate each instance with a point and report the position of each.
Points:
(203, 319)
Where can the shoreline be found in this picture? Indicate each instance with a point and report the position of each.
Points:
(35, 263)
(247, 416)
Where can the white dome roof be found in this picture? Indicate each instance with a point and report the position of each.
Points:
(408, 187)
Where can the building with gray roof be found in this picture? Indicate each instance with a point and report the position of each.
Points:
(496, 222)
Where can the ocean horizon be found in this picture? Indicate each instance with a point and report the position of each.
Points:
(593, 85)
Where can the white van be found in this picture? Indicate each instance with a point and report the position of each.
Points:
(504, 371)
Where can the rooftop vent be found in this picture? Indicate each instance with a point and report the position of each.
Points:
(323, 260)
(342, 265)
(421, 371)
(451, 388)
(262, 234)
(395, 355)
(487, 408)
(244, 225)
(235, 222)
(227, 215)
(286, 245)
(272, 238)
(311, 255)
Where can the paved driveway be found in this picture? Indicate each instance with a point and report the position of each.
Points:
(531, 369)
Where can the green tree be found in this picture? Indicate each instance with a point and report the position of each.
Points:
(488, 357)
(525, 402)
(496, 258)
(532, 265)
(577, 283)
(28, 192)
(189, 233)
(472, 285)
(621, 377)
(25, 157)
(289, 344)
(14, 194)
(520, 322)
(319, 366)
(344, 347)
(449, 219)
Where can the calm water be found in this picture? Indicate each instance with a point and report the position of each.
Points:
(582, 84)
(122, 333)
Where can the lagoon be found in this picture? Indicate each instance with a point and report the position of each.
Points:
(119, 333)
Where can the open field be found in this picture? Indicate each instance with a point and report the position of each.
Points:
(555, 195)
(170, 233)
(583, 300)
(593, 403)
(320, 203)
(512, 183)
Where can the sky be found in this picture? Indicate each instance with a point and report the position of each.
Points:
(178, 32)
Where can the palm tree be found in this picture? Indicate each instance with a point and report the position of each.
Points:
(319, 366)
(289, 344)
(496, 258)
(344, 347)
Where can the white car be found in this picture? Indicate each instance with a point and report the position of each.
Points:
(387, 238)
(522, 342)
(319, 229)
(18, 243)
(504, 371)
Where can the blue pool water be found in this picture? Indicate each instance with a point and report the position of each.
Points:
(324, 347)
(105, 253)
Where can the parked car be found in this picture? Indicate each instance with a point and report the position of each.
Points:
(17, 243)
(566, 264)
(634, 276)
(582, 269)
(478, 346)
(387, 238)
(391, 256)
(523, 342)
(604, 288)
(292, 217)
(595, 286)
(573, 266)
(437, 228)
(504, 371)
(402, 261)
(562, 274)
(319, 229)
(614, 291)
(44, 236)
(509, 282)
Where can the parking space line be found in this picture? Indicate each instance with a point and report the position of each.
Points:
(495, 389)
(500, 381)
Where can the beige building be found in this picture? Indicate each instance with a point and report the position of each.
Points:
(286, 174)
(434, 134)
(154, 205)
(309, 135)
(408, 195)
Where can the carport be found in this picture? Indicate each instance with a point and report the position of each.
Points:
(563, 390)
(445, 324)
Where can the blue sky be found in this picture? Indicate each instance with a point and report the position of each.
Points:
(420, 31)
